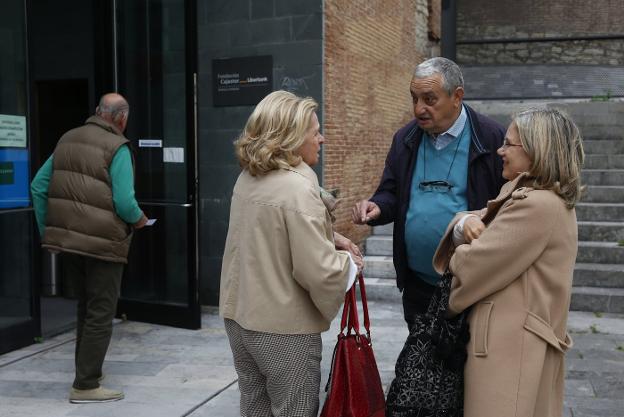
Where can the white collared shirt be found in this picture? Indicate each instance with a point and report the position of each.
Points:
(443, 139)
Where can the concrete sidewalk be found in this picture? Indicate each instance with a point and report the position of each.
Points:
(172, 372)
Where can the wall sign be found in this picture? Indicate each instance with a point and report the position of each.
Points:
(14, 181)
(241, 81)
(12, 131)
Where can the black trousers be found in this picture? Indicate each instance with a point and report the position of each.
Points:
(416, 297)
(98, 284)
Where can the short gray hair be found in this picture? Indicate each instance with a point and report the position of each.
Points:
(452, 77)
(114, 105)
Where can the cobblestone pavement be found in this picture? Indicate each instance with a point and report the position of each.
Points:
(172, 372)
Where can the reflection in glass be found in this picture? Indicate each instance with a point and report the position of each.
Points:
(15, 267)
(15, 226)
(158, 266)
(151, 51)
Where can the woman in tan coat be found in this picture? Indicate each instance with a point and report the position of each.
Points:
(282, 279)
(512, 265)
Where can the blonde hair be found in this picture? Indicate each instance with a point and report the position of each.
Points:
(274, 131)
(554, 145)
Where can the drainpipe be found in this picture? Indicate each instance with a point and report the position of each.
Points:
(449, 29)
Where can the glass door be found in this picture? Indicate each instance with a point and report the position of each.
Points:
(155, 67)
(19, 315)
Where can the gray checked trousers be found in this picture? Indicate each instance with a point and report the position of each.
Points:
(278, 374)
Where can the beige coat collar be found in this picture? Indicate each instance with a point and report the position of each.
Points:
(516, 189)
(306, 171)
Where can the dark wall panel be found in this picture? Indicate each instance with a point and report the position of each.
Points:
(291, 32)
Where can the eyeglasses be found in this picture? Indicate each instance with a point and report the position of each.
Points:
(506, 144)
(439, 186)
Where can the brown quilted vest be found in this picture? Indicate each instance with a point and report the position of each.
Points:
(81, 216)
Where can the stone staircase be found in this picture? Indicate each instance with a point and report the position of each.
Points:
(598, 284)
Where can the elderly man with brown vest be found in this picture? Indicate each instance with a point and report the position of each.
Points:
(84, 203)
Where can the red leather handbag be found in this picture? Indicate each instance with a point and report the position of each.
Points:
(354, 384)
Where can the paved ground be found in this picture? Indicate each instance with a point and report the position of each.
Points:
(167, 372)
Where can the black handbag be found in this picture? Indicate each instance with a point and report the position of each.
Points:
(429, 380)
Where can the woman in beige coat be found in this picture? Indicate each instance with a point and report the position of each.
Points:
(282, 279)
(512, 265)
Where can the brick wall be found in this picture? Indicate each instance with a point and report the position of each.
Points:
(537, 19)
(370, 48)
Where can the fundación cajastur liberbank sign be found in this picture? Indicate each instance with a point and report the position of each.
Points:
(241, 81)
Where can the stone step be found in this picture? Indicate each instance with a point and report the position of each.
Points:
(600, 253)
(585, 274)
(600, 212)
(603, 194)
(596, 120)
(605, 161)
(607, 146)
(601, 231)
(602, 177)
(599, 300)
(379, 245)
(379, 289)
(605, 120)
(603, 300)
(599, 275)
(386, 229)
(379, 266)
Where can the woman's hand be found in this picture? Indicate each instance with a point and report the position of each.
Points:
(343, 243)
(473, 227)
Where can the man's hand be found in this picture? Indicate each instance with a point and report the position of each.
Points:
(344, 243)
(365, 211)
(141, 222)
(473, 227)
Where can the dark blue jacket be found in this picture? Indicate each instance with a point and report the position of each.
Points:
(393, 194)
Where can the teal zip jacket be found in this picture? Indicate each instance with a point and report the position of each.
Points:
(122, 179)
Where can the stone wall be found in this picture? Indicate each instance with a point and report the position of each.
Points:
(537, 18)
(540, 20)
(370, 50)
(594, 52)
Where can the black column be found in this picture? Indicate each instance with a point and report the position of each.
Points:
(449, 28)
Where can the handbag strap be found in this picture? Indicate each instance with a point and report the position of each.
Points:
(354, 322)
(350, 320)
(345, 311)
(364, 303)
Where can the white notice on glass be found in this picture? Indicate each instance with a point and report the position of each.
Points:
(12, 131)
(150, 143)
(173, 155)
(150, 222)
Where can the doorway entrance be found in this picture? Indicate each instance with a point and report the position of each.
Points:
(62, 86)
(145, 50)
(156, 69)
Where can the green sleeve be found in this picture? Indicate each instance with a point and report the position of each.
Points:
(39, 191)
(122, 179)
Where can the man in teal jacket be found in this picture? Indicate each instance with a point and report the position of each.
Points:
(84, 203)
